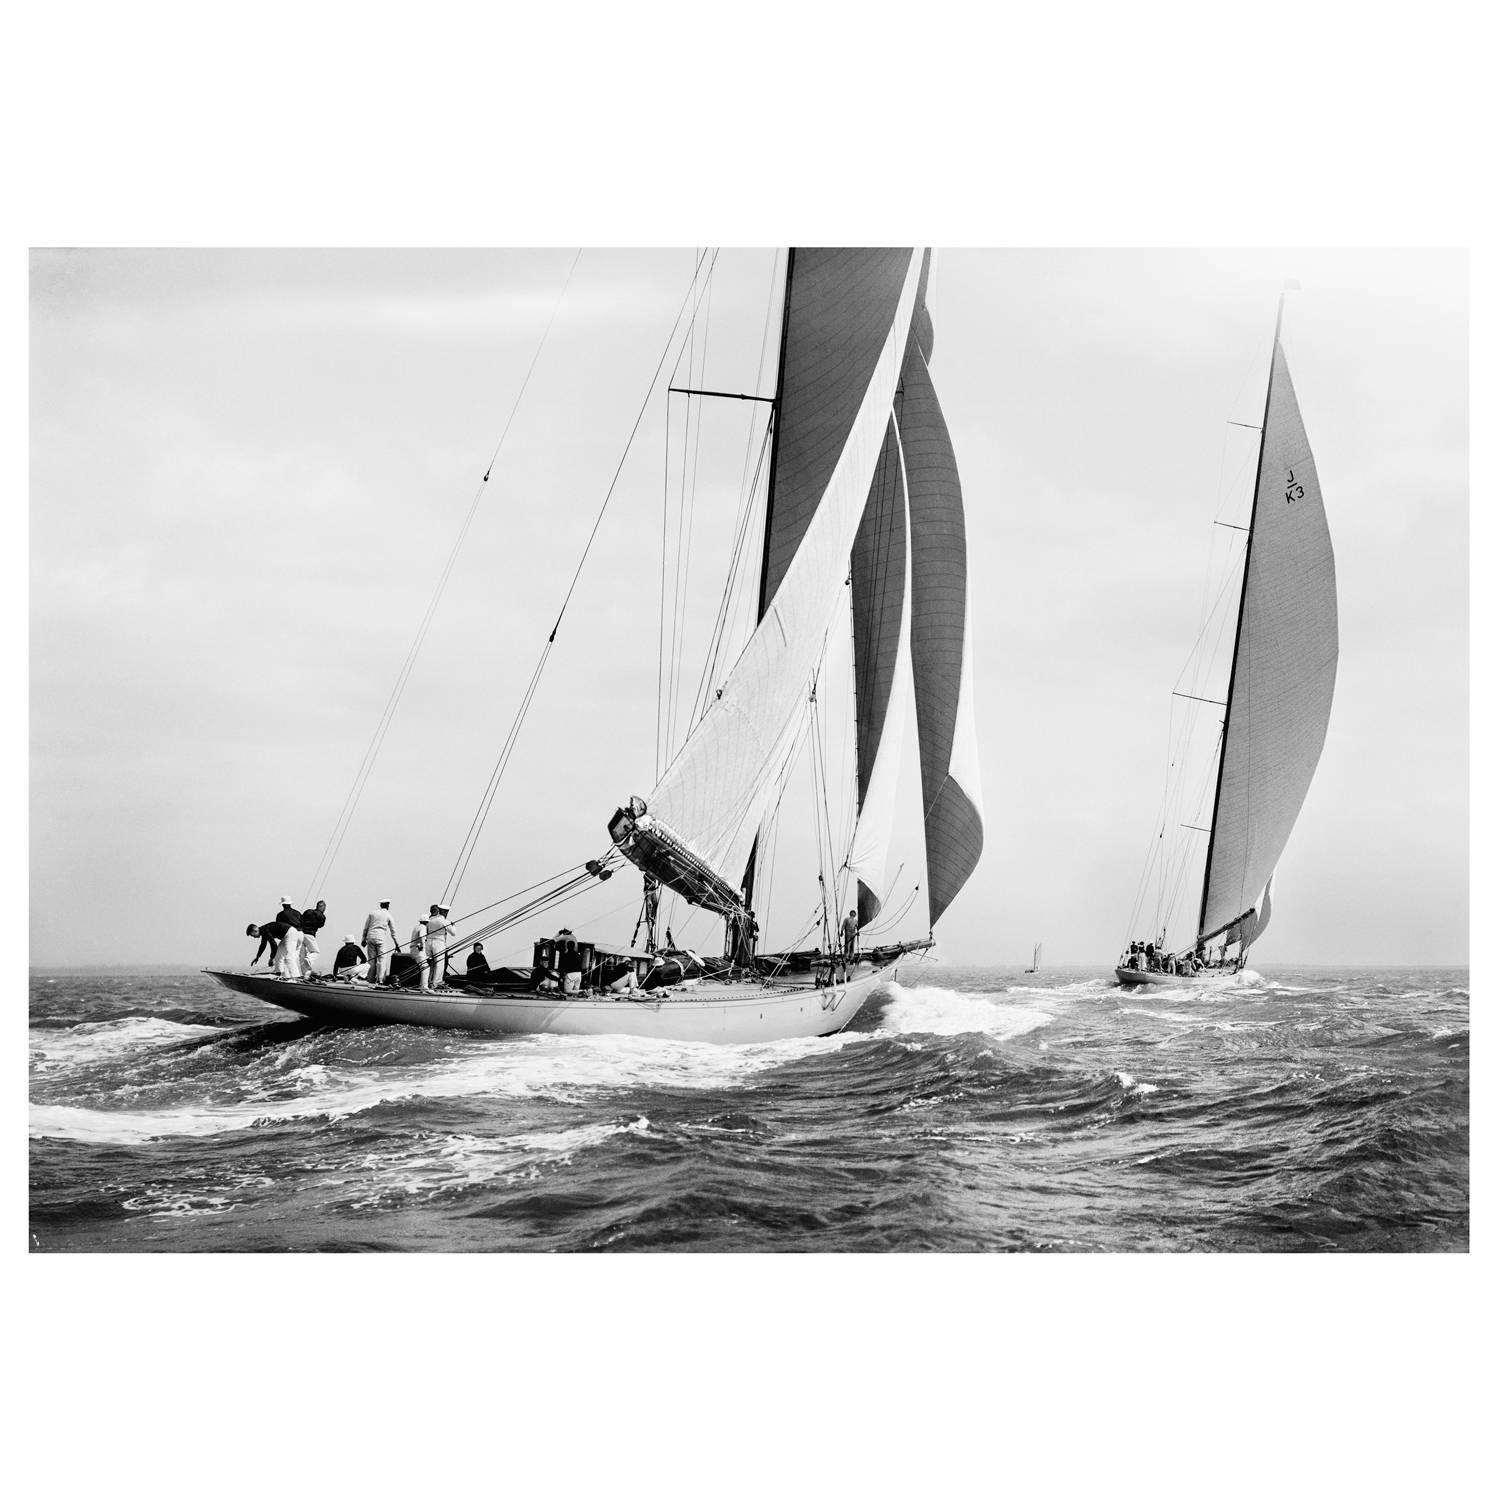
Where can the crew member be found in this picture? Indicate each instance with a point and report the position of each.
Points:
(649, 909)
(380, 940)
(349, 959)
(477, 965)
(570, 967)
(288, 960)
(851, 936)
(419, 933)
(313, 921)
(438, 928)
(270, 935)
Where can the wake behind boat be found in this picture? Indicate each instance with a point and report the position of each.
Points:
(861, 540)
(1276, 714)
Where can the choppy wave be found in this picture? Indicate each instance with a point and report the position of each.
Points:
(968, 1111)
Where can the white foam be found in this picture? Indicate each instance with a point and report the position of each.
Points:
(98, 1041)
(565, 1069)
(943, 1012)
(461, 1161)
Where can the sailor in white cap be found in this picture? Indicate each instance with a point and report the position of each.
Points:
(288, 961)
(380, 941)
(439, 933)
(350, 961)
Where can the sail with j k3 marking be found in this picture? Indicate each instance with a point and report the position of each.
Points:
(1281, 683)
(863, 484)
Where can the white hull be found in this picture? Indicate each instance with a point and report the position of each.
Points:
(697, 1013)
(1208, 980)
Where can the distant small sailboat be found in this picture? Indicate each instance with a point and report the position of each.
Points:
(1277, 707)
(1036, 959)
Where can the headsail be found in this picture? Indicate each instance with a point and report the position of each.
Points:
(880, 583)
(1281, 683)
(941, 656)
(843, 350)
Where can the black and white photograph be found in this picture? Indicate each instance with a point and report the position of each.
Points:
(626, 774)
(714, 749)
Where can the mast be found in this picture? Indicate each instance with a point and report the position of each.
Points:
(765, 552)
(1239, 625)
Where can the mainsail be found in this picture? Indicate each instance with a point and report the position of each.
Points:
(1281, 682)
(864, 488)
(836, 407)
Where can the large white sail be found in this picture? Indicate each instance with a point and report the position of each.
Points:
(729, 772)
(1286, 657)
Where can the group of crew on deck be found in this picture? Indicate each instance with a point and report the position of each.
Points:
(291, 939)
(1148, 958)
(290, 942)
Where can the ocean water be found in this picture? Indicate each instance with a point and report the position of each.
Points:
(966, 1109)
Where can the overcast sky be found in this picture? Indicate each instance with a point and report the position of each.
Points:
(249, 469)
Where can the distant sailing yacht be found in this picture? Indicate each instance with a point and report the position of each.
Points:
(1278, 704)
(863, 532)
(1036, 954)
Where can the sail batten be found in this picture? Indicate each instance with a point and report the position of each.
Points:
(1282, 677)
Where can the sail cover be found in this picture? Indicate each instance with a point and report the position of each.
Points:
(941, 657)
(849, 316)
(1281, 688)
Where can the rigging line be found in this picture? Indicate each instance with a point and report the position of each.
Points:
(545, 880)
(556, 308)
(820, 772)
(661, 597)
(668, 657)
(325, 864)
(685, 570)
(664, 731)
(884, 918)
(677, 559)
(476, 824)
(736, 561)
(487, 801)
(609, 495)
(896, 920)
(723, 622)
(685, 553)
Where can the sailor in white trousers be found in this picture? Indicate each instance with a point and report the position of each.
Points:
(380, 942)
(439, 930)
(289, 954)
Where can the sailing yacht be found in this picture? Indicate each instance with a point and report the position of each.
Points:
(1036, 955)
(1277, 707)
(862, 532)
